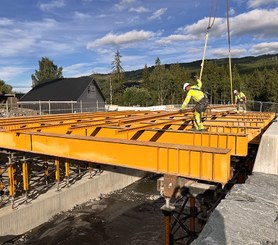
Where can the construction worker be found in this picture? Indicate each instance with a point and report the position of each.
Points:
(240, 99)
(201, 102)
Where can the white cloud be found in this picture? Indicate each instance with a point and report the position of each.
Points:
(258, 3)
(13, 47)
(128, 37)
(124, 4)
(198, 30)
(10, 72)
(29, 34)
(157, 14)
(51, 5)
(231, 11)
(265, 48)
(78, 70)
(174, 38)
(223, 52)
(259, 22)
(6, 22)
(251, 23)
(79, 15)
(139, 10)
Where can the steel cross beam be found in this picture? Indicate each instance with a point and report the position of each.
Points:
(80, 118)
(206, 163)
(238, 143)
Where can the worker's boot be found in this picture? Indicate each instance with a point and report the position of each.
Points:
(196, 126)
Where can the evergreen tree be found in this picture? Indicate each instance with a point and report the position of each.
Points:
(117, 78)
(146, 77)
(47, 70)
(159, 80)
(178, 77)
(136, 96)
(5, 88)
(211, 79)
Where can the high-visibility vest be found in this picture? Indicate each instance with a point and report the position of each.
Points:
(240, 97)
(195, 93)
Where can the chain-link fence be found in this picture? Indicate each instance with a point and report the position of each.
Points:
(49, 107)
(58, 107)
(262, 106)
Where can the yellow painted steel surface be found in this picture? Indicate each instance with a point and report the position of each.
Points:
(206, 163)
(156, 141)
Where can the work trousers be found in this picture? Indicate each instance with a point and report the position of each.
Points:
(200, 108)
(241, 103)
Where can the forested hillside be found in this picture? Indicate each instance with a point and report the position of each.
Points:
(257, 77)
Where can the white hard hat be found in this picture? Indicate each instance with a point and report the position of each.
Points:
(185, 85)
(235, 91)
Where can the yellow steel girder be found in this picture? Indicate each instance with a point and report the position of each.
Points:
(238, 143)
(206, 163)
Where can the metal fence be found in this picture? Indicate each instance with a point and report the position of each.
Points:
(49, 107)
(262, 106)
(59, 107)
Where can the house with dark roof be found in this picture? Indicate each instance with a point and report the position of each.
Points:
(65, 95)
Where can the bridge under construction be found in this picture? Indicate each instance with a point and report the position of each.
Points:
(161, 142)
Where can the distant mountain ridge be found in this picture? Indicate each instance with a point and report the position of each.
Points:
(244, 65)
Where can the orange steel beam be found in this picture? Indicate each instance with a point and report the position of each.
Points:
(252, 132)
(26, 122)
(248, 117)
(206, 163)
(146, 118)
(88, 120)
(72, 129)
(57, 117)
(236, 123)
(238, 143)
(85, 116)
(152, 124)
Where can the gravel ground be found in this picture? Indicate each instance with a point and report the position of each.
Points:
(130, 216)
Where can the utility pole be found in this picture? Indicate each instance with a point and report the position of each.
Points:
(111, 90)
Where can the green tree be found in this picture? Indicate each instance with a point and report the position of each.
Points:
(136, 96)
(211, 79)
(117, 78)
(159, 82)
(47, 70)
(146, 77)
(178, 76)
(262, 85)
(5, 88)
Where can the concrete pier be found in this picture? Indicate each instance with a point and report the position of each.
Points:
(267, 156)
(249, 213)
(28, 216)
(247, 216)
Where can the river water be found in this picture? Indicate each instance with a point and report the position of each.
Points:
(130, 216)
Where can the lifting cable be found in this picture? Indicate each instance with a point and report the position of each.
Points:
(210, 24)
(229, 45)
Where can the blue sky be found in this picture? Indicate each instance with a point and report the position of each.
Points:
(82, 36)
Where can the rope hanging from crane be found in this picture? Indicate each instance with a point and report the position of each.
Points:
(210, 24)
(229, 46)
